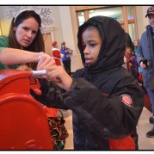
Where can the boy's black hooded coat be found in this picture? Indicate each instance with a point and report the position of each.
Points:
(101, 121)
(99, 114)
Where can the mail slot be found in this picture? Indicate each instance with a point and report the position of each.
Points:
(23, 122)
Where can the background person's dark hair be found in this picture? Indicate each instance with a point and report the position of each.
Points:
(63, 44)
(128, 41)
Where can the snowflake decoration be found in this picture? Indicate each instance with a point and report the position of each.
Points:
(44, 12)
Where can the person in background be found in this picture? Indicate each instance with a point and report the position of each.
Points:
(145, 59)
(140, 70)
(132, 62)
(128, 41)
(136, 42)
(105, 99)
(66, 52)
(56, 53)
(127, 55)
(129, 48)
(126, 61)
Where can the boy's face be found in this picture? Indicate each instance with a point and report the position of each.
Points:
(92, 43)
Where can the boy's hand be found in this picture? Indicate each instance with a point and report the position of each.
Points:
(59, 76)
(45, 61)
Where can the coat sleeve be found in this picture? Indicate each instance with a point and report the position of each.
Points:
(3, 42)
(108, 117)
(139, 53)
(51, 95)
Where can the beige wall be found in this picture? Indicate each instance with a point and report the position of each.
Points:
(5, 23)
(69, 30)
(58, 36)
(141, 20)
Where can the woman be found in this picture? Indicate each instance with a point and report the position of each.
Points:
(24, 35)
(24, 46)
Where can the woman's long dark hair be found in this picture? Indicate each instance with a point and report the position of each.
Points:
(38, 44)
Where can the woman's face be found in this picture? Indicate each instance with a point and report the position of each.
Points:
(92, 43)
(26, 32)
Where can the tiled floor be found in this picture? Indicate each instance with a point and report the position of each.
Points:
(68, 124)
(142, 127)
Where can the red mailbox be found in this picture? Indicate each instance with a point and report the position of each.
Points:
(23, 122)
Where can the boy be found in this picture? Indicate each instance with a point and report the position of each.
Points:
(105, 99)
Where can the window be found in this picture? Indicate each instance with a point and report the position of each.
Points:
(125, 15)
(115, 13)
(81, 18)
